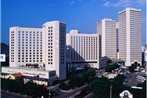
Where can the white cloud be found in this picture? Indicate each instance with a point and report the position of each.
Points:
(72, 2)
(123, 3)
(107, 4)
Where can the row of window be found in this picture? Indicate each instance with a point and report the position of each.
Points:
(31, 32)
(29, 60)
(12, 46)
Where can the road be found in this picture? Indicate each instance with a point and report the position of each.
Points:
(72, 93)
(8, 95)
(131, 78)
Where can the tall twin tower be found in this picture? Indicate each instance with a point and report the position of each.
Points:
(124, 35)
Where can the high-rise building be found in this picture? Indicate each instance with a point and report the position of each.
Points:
(41, 50)
(107, 31)
(82, 49)
(25, 46)
(145, 55)
(130, 35)
(54, 47)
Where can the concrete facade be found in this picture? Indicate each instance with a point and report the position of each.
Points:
(44, 48)
(130, 35)
(107, 31)
(83, 48)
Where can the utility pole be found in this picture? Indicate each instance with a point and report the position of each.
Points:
(111, 91)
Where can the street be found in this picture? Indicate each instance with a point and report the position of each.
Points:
(10, 95)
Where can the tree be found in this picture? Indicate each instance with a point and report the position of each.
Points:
(117, 85)
(119, 79)
(73, 82)
(34, 90)
(133, 67)
(111, 67)
(30, 88)
(91, 72)
(101, 87)
(140, 93)
(64, 86)
(109, 61)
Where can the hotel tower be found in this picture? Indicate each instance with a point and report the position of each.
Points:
(130, 35)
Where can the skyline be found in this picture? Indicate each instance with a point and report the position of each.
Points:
(75, 13)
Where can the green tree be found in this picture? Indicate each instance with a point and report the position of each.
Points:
(101, 87)
(133, 67)
(64, 86)
(140, 93)
(91, 72)
(117, 85)
(73, 82)
(111, 67)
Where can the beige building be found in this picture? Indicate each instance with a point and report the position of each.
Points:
(42, 49)
(130, 35)
(82, 49)
(106, 29)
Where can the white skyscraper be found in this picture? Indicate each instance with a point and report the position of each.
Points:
(106, 29)
(54, 47)
(38, 51)
(82, 49)
(130, 35)
(145, 54)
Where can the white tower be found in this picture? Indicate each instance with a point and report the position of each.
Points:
(54, 47)
(130, 35)
(106, 29)
(145, 54)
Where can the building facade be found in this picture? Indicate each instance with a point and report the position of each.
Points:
(39, 48)
(82, 49)
(54, 47)
(107, 31)
(145, 55)
(25, 46)
(130, 35)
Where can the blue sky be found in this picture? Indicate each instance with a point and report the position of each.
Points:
(77, 14)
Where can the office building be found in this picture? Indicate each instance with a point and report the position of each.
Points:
(42, 50)
(82, 49)
(107, 31)
(130, 35)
